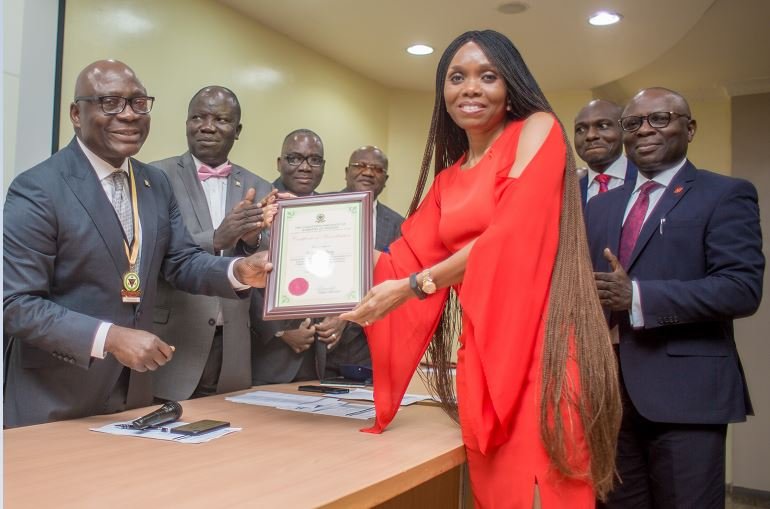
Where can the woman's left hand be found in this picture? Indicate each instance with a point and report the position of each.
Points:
(381, 300)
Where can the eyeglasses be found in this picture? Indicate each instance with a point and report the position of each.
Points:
(115, 104)
(359, 167)
(297, 160)
(658, 120)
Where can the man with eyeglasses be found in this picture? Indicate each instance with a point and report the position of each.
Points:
(280, 354)
(220, 204)
(599, 142)
(689, 261)
(86, 234)
(367, 170)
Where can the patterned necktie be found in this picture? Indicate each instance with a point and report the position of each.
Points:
(633, 225)
(604, 181)
(121, 200)
(205, 172)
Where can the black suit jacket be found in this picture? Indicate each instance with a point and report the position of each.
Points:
(699, 264)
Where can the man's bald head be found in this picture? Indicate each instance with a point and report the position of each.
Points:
(112, 137)
(598, 136)
(367, 170)
(654, 149)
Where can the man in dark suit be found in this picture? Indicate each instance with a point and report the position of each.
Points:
(367, 170)
(689, 261)
(599, 142)
(282, 351)
(217, 201)
(86, 234)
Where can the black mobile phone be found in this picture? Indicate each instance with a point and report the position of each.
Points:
(324, 390)
(199, 427)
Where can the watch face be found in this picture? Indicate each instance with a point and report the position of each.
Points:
(429, 286)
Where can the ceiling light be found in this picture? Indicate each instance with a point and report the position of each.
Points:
(512, 7)
(419, 49)
(603, 18)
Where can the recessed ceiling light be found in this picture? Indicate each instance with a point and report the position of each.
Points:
(419, 49)
(603, 18)
(512, 7)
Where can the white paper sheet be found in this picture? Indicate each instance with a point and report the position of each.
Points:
(164, 433)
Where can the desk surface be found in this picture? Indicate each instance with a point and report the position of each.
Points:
(280, 459)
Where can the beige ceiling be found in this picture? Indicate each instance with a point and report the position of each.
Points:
(721, 45)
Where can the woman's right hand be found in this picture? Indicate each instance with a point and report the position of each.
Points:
(381, 300)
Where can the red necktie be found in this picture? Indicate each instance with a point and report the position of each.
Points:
(604, 181)
(205, 172)
(633, 225)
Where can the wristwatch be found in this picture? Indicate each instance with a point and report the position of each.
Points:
(427, 286)
(415, 288)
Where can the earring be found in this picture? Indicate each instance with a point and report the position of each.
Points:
(508, 105)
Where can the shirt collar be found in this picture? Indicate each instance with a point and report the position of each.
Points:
(616, 170)
(198, 163)
(663, 177)
(102, 168)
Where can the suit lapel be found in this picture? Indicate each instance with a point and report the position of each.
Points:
(85, 185)
(616, 213)
(148, 217)
(680, 184)
(189, 175)
(235, 189)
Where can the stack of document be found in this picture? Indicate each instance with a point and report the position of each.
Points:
(309, 404)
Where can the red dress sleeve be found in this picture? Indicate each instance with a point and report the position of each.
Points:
(398, 341)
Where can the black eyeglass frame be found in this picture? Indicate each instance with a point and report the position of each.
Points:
(642, 119)
(125, 101)
(303, 159)
(359, 167)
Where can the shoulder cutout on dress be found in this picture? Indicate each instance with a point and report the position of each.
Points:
(533, 134)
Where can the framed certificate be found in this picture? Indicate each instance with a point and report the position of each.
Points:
(321, 250)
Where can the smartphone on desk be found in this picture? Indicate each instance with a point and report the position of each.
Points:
(200, 427)
(323, 390)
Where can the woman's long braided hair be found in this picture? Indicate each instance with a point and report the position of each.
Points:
(573, 308)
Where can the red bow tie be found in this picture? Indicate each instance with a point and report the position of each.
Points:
(205, 172)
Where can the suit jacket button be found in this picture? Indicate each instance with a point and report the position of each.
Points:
(212, 321)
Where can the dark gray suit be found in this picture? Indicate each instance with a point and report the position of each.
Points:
(63, 261)
(188, 321)
(273, 361)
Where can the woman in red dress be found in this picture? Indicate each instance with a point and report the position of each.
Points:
(502, 227)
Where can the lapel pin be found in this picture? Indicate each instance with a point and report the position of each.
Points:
(237, 183)
(147, 183)
(678, 190)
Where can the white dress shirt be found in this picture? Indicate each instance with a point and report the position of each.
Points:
(616, 172)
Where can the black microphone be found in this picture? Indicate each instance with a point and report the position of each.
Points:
(169, 412)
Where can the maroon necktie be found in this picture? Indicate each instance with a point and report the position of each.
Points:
(604, 181)
(634, 222)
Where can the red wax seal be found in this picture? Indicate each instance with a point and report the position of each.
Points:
(298, 286)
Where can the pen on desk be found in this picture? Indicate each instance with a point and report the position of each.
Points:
(662, 222)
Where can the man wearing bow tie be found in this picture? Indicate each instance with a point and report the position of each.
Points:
(689, 261)
(599, 142)
(220, 205)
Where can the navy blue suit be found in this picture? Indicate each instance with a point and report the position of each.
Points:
(630, 177)
(698, 263)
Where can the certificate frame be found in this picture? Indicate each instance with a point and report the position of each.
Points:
(288, 231)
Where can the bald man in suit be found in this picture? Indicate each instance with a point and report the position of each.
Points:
(86, 234)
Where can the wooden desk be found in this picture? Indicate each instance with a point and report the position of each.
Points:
(281, 459)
